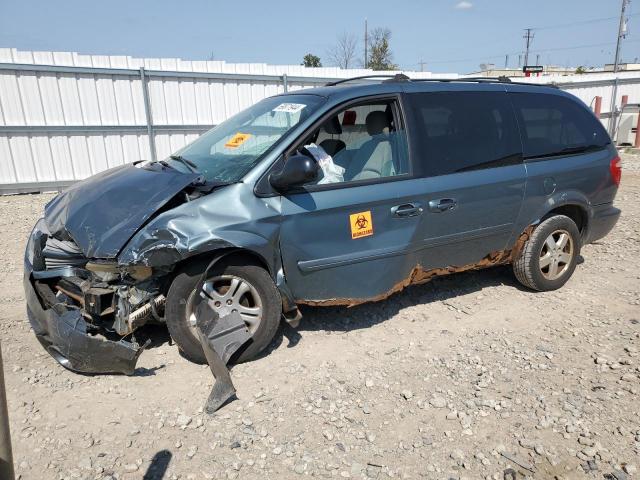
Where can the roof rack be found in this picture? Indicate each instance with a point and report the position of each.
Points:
(398, 77)
(401, 77)
(501, 79)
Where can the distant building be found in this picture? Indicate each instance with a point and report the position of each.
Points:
(490, 70)
(622, 67)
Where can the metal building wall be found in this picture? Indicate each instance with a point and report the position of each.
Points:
(65, 116)
(588, 86)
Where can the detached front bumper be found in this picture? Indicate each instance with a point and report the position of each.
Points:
(63, 331)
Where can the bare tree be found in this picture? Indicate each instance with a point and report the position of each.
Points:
(343, 53)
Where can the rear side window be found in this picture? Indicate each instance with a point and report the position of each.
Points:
(462, 131)
(553, 125)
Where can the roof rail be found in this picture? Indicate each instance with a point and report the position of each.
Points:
(500, 79)
(398, 77)
(401, 77)
(466, 79)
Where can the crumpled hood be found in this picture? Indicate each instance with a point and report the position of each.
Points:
(103, 212)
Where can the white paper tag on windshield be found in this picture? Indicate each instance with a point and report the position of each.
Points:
(289, 107)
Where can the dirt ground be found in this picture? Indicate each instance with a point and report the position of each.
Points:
(444, 380)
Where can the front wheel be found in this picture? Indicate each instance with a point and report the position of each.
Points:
(549, 257)
(247, 289)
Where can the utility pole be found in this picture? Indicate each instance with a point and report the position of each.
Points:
(6, 456)
(506, 61)
(622, 31)
(528, 36)
(366, 43)
(422, 63)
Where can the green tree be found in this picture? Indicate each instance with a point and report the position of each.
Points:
(380, 56)
(580, 70)
(311, 60)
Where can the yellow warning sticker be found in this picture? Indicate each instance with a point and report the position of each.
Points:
(361, 224)
(237, 140)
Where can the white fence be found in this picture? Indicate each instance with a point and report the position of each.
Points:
(65, 116)
(589, 86)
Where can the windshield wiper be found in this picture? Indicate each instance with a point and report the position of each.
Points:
(187, 163)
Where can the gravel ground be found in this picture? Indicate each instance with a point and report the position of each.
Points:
(440, 381)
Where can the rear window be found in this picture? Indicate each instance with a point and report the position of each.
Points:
(463, 131)
(554, 125)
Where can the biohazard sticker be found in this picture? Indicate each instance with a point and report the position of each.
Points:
(361, 224)
(289, 107)
(237, 140)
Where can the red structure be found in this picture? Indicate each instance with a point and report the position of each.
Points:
(597, 108)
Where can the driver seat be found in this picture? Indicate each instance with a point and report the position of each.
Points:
(332, 145)
(374, 159)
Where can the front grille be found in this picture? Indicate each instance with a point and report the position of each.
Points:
(62, 253)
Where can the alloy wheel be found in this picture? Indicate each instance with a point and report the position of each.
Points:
(227, 294)
(556, 255)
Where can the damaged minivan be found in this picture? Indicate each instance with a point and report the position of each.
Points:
(337, 195)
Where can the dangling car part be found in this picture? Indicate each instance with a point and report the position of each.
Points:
(221, 334)
(226, 334)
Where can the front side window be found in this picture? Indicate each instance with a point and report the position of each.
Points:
(554, 125)
(227, 152)
(462, 131)
(361, 142)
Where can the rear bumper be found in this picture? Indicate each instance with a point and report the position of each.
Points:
(603, 219)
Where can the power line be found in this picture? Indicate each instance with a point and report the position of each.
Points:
(537, 50)
(577, 47)
(582, 22)
(529, 34)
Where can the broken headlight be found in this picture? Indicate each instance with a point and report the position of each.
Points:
(108, 271)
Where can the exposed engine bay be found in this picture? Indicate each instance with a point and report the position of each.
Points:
(113, 299)
(89, 309)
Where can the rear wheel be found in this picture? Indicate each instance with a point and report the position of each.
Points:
(247, 289)
(549, 257)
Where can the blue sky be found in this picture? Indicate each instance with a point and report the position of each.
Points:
(449, 35)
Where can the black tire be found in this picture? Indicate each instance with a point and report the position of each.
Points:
(184, 285)
(527, 266)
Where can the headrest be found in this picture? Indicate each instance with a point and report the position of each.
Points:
(376, 122)
(332, 126)
(349, 117)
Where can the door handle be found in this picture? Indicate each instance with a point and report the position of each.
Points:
(406, 210)
(443, 205)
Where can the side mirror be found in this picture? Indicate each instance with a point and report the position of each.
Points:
(297, 170)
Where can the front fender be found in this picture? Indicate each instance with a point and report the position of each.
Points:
(181, 235)
(168, 246)
(232, 217)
